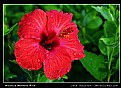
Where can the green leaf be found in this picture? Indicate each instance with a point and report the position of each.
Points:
(65, 77)
(95, 65)
(13, 61)
(38, 78)
(44, 79)
(59, 80)
(102, 46)
(107, 44)
(89, 16)
(7, 31)
(26, 71)
(117, 64)
(28, 8)
(96, 36)
(108, 41)
(49, 7)
(5, 28)
(109, 29)
(82, 37)
(105, 12)
(12, 47)
(94, 23)
(7, 73)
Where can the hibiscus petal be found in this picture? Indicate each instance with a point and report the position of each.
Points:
(29, 54)
(73, 46)
(57, 63)
(57, 20)
(32, 24)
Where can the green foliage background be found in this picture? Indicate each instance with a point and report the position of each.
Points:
(98, 31)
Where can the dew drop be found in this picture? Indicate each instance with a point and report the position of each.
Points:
(32, 36)
(24, 49)
(22, 38)
(28, 23)
(75, 53)
(47, 55)
(38, 60)
(24, 57)
(59, 78)
(74, 42)
(38, 39)
(37, 30)
(51, 16)
(67, 70)
(59, 71)
(28, 54)
(29, 69)
(61, 17)
(70, 39)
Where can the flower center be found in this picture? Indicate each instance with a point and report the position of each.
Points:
(65, 33)
(49, 42)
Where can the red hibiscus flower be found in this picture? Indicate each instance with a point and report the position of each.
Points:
(50, 38)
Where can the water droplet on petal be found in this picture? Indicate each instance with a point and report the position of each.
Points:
(47, 55)
(37, 30)
(24, 49)
(75, 53)
(51, 16)
(28, 23)
(38, 39)
(24, 57)
(74, 42)
(67, 70)
(61, 17)
(22, 38)
(59, 78)
(70, 39)
(32, 37)
(38, 60)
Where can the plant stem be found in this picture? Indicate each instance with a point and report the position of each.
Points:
(30, 76)
(109, 65)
